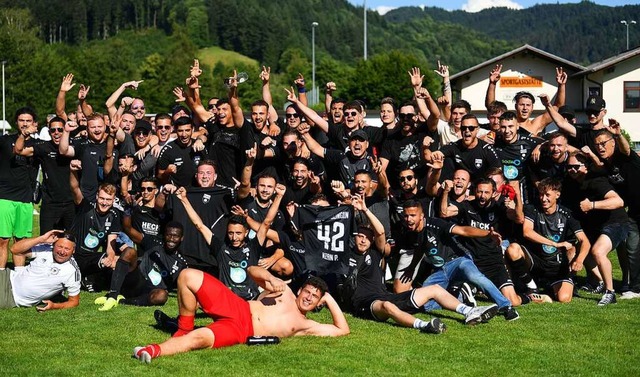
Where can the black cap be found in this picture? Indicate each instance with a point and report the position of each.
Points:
(177, 108)
(143, 125)
(567, 112)
(359, 134)
(595, 103)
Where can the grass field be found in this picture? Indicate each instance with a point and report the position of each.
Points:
(212, 55)
(576, 339)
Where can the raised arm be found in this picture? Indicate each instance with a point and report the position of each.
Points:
(308, 113)
(447, 210)
(23, 247)
(558, 119)
(340, 327)
(542, 120)
(328, 95)
(75, 166)
(271, 214)
(621, 141)
(82, 100)
(245, 177)
(234, 102)
(610, 202)
(19, 147)
(67, 84)
(311, 143)
(111, 101)
(443, 71)
(378, 229)
(494, 78)
(302, 90)
(432, 187)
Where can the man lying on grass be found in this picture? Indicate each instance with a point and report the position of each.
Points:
(52, 271)
(276, 312)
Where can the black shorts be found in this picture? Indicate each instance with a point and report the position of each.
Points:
(548, 271)
(497, 273)
(89, 262)
(136, 285)
(404, 301)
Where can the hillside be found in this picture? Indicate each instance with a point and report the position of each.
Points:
(583, 32)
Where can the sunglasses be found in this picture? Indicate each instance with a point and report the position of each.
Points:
(602, 144)
(468, 128)
(211, 107)
(52, 130)
(575, 167)
(164, 127)
(141, 132)
(407, 178)
(294, 115)
(138, 108)
(351, 113)
(407, 116)
(147, 189)
(592, 112)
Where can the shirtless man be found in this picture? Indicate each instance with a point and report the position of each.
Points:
(276, 312)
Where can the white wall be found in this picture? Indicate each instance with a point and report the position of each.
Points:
(613, 94)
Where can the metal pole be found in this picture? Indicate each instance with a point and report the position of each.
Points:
(365, 29)
(627, 25)
(4, 118)
(313, 60)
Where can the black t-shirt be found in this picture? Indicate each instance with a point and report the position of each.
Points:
(434, 240)
(397, 198)
(226, 149)
(233, 264)
(17, 173)
(92, 228)
(347, 165)
(285, 164)
(258, 213)
(55, 170)
(484, 250)
(623, 173)
(594, 189)
(212, 205)
(476, 160)
(92, 156)
(184, 158)
(160, 268)
(339, 135)
(514, 157)
(294, 251)
(403, 152)
(370, 278)
(147, 221)
(559, 226)
(585, 135)
(327, 235)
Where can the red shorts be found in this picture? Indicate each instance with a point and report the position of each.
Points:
(231, 314)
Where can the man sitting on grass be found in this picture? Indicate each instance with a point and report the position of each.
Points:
(52, 271)
(276, 312)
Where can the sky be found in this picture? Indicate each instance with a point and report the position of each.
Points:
(383, 6)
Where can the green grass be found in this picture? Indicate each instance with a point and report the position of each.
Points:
(212, 55)
(576, 339)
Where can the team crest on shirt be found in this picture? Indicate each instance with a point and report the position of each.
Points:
(367, 260)
(54, 271)
(478, 163)
(206, 198)
(491, 216)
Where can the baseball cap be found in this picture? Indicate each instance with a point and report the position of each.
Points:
(142, 125)
(567, 111)
(595, 103)
(359, 134)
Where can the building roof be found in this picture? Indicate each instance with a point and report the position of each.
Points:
(606, 63)
(524, 48)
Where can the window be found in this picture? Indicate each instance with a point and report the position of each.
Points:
(632, 96)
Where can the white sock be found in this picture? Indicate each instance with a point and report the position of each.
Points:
(532, 285)
(419, 324)
(463, 309)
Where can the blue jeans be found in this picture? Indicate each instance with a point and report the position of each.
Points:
(632, 247)
(463, 269)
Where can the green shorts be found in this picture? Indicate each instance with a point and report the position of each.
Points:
(6, 295)
(16, 219)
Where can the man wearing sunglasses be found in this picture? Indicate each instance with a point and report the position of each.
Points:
(600, 210)
(57, 210)
(623, 172)
(469, 153)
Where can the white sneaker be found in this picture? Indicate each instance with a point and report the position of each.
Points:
(628, 295)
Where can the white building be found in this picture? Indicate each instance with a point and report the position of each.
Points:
(527, 68)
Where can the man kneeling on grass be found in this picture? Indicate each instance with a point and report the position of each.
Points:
(276, 312)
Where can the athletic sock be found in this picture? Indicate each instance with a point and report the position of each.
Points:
(522, 272)
(463, 309)
(152, 349)
(185, 324)
(419, 324)
(142, 300)
(117, 278)
(525, 299)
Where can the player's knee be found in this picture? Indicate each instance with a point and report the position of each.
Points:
(129, 255)
(564, 296)
(389, 308)
(200, 338)
(285, 267)
(514, 251)
(158, 297)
